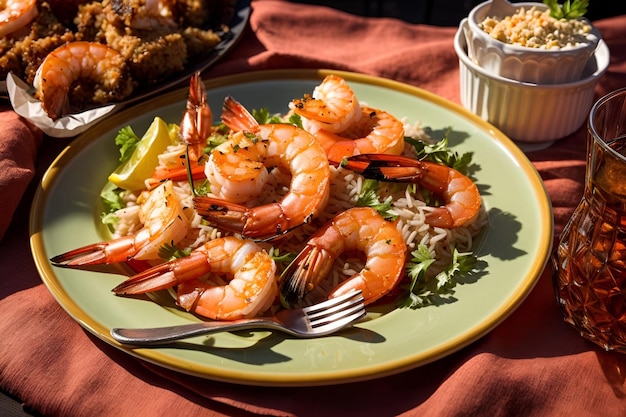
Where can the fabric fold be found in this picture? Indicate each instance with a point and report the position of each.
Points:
(19, 141)
(290, 36)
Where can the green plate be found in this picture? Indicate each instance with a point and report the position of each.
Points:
(516, 246)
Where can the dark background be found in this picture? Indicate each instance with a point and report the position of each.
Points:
(443, 12)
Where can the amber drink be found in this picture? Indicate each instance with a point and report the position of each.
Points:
(590, 260)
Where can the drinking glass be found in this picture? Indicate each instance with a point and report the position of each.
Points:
(590, 259)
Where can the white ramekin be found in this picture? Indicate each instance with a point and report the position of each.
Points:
(528, 112)
(543, 66)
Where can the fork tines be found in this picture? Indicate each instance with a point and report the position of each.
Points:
(345, 308)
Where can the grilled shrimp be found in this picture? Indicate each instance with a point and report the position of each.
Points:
(376, 131)
(344, 127)
(357, 229)
(195, 128)
(99, 72)
(332, 107)
(236, 171)
(161, 214)
(16, 14)
(197, 123)
(460, 194)
(250, 291)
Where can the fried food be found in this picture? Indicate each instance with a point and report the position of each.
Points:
(156, 38)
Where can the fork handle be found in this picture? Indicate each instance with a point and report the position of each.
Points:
(161, 335)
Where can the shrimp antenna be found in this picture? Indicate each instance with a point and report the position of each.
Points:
(189, 173)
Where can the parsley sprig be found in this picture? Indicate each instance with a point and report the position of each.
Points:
(217, 137)
(440, 153)
(112, 200)
(369, 198)
(169, 252)
(567, 10)
(263, 116)
(127, 141)
(424, 290)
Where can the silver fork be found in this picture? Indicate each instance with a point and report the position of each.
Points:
(313, 321)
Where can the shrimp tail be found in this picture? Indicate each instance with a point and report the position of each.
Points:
(237, 117)
(460, 194)
(265, 222)
(153, 279)
(197, 120)
(165, 275)
(165, 222)
(394, 168)
(57, 103)
(307, 269)
(385, 167)
(175, 174)
(225, 215)
(118, 250)
(86, 255)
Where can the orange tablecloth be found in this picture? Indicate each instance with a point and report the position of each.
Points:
(532, 364)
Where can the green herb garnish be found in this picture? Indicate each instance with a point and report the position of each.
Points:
(284, 259)
(219, 136)
(111, 197)
(169, 252)
(203, 188)
(127, 141)
(263, 116)
(369, 198)
(567, 10)
(439, 153)
(296, 120)
(423, 291)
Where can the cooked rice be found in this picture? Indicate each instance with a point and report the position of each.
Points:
(345, 189)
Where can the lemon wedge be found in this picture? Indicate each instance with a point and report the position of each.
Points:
(173, 131)
(140, 166)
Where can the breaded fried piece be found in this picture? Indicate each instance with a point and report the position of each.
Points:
(200, 41)
(26, 53)
(151, 58)
(10, 62)
(88, 22)
(155, 46)
(194, 13)
(36, 52)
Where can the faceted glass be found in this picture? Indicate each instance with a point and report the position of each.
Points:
(590, 259)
